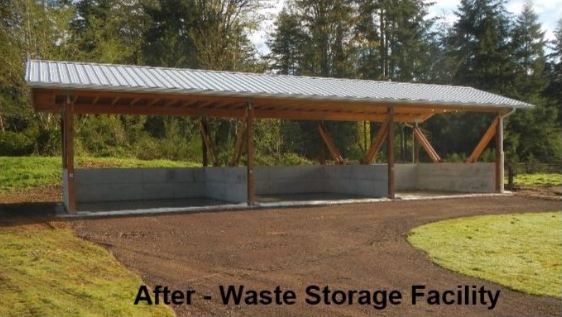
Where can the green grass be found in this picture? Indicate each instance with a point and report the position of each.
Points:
(538, 179)
(521, 251)
(51, 272)
(25, 172)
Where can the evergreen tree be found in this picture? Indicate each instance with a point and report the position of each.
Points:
(530, 81)
(287, 44)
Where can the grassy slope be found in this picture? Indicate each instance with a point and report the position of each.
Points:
(18, 173)
(50, 272)
(538, 179)
(521, 251)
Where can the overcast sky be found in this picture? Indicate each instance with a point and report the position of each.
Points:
(549, 12)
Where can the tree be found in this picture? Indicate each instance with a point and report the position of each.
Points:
(529, 84)
(287, 44)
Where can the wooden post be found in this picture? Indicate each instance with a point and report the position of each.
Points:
(68, 156)
(250, 154)
(390, 152)
(499, 155)
(415, 145)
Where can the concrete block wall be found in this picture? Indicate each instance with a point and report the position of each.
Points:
(453, 177)
(361, 180)
(226, 183)
(229, 183)
(290, 180)
(457, 177)
(116, 184)
(405, 176)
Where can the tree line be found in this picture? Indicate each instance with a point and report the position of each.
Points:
(487, 47)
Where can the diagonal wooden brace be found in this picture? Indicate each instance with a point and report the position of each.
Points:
(334, 152)
(486, 138)
(239, 147)
(209, 146)
(376, 144)
(422, 139)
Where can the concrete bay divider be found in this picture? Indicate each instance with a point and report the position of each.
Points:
(229, 183)
(119, 184)
(358, 180)
(450, 177)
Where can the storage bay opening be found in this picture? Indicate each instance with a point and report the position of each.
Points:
(72, 89)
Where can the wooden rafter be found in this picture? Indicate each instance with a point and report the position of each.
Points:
(422, 139)
(329, 142)
(376, 144)
(486, 138)
(209, 146)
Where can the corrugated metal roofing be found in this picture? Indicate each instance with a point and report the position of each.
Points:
(76, 75)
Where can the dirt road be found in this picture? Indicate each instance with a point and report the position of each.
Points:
(346, 247)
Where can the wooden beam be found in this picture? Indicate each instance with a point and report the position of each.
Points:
(68, 154)
(239, 147)
(499, 155)
(205, 155)
(250, 154)
(426, 145)
(204, 129)
(330, 144)
(486, 138)
(390, 152)
(376, 144)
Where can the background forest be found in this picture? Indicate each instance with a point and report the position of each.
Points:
(486, 48)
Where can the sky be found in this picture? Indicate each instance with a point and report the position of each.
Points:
(549, 12)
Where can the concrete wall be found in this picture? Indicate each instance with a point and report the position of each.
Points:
(405, 176)
(229, 183)
(226, 183)
(457, 177)
(454, 177)
(362, 180)
(116, 184)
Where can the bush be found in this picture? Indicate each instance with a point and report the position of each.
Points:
(14, 143)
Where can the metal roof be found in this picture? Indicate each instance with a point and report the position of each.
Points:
(129, 78)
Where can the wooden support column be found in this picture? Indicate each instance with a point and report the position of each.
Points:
(390, 152)
(415, 145)
(250, 154)
(499, 155)
(69, 194)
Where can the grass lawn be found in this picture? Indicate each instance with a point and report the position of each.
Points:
(521, 251)
(51, 272)
(25, 172)
(538, 179)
